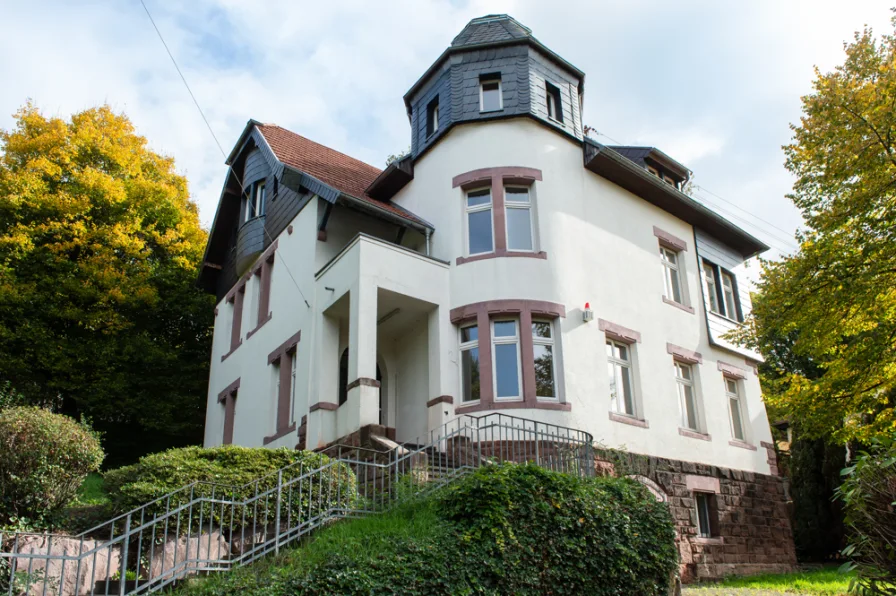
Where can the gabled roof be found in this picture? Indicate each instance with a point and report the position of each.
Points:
(337, 170)
(490, 29)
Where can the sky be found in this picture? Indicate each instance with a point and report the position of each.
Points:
(714, 84)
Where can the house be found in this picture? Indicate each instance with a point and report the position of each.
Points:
(507, 263)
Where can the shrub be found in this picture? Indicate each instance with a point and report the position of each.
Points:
(231, 473)
(868, 493)
(44, 457)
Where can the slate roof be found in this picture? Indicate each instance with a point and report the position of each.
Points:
(490, 29)
(639, 155)
(342, 172)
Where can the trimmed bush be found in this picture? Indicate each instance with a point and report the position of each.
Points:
(231, 473)
(44, 457)
(868, 493)
(504, 529)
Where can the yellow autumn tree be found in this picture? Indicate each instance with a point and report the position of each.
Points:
(99, 252)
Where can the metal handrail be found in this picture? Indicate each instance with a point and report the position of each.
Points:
(225, 529)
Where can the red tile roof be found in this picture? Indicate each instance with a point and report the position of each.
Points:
(346, 174)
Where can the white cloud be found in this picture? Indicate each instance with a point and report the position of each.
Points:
(712, 84)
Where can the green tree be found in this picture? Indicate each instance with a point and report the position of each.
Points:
(99, 249)
(833, 303)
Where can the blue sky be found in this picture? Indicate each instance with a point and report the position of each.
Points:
(713, 84)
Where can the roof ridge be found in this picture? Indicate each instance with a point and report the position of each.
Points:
(328, 148)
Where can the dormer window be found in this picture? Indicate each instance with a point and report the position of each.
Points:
(554, 102)
(490, 99)
(432, 116)
(255, 202)
(663, 176)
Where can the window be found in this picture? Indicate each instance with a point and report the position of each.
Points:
(712, 293)
(490, 99)
(479, 221)
(684, 375)
(293, 360)
(669, 180)
(729, 293)
(734, 406)
(506, 359)
(619, 369)
(653, 171)
(469, 359)
(707, 515)
(255, 204)
(721, 291)
(432, 117)
(519, 218)
(543, 348)
(256, 300)
(343, 377)
(672, 274)
(554, 102)
(275, 401)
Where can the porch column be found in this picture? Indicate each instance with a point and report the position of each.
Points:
(321, 426)
(442, 372)
(362, 406)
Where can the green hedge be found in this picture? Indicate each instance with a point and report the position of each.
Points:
(44, 457)
(237, 474)
(505, 529)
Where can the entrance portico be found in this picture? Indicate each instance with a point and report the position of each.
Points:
(390, 305)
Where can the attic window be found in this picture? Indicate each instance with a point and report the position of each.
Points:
(490, 99)
(663, 176)
(554, 102)
(432, 116)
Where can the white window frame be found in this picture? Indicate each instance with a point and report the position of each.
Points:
(464, 347)
(737, 398)
(672, 268)
(545, 341)
(293, 365)
(729, 292)
(506, 340)
(553, 102)
(681, 385)
(432, 117)
(527, 206)
(619, 398)
(255, 201)
(490, 206)
(486, 81)
(709, 282)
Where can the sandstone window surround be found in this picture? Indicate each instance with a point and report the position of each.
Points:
(688, 386)
(284, 359)
(622, 371)
(476, 328)
(675, 291)
(237, 297)
(506, 196)
(705, 490)
(228, 399)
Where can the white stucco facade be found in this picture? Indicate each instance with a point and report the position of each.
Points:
(391, 306)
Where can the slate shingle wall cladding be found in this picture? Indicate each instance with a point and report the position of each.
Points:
(753, 515)
(522, 69)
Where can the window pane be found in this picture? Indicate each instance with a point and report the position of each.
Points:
(611, 373)
(516, 194)
(737, 427)
(683, 371)
(505, 328)
(469, 334)
(507, 370)
(611, 349)
(491, 96)
(622, 352)
(732, 386)
(702, 514)
(470, 368)
(544, 371)
(519, 229)
(689, 412)
(669, 256)
(479, 197)
(730, 304)
(541, 329)
(673, 285)
(628, 404)
(480, 230)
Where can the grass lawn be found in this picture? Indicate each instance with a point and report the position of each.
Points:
(819, 582)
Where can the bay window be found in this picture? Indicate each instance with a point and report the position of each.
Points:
(712, 292)
(479, 221)
(728, 292)
(469, 358)
(721, 291)
(256, 200)
(506, 359)
(519, 218)
(543, 350)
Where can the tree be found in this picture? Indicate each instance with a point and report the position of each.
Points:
(833, 303)
(99, 310)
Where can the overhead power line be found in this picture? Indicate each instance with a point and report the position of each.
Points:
(218, 143)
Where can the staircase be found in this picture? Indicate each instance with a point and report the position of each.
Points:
(206, 527)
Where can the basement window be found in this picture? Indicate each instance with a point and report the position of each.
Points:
(554, 102)
(707, 515)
